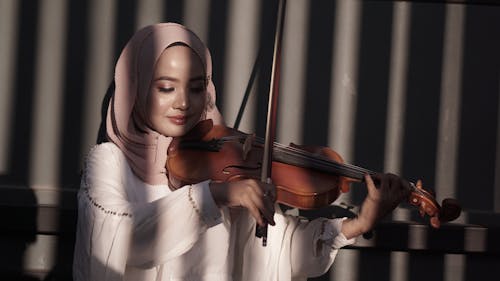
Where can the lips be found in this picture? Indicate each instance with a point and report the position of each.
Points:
(178, 119)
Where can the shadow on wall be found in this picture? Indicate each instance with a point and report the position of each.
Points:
(19, 230)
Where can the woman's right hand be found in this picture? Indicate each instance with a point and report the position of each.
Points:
(254, 195)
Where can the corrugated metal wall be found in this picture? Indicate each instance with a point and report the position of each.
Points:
(396, 86)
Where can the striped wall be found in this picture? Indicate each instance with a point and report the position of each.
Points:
(396, 86)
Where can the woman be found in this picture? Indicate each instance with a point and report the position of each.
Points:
(131, 226)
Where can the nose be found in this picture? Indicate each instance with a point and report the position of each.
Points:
(181, 101)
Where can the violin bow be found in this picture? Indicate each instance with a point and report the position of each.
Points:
(272, 109)
(246, 96)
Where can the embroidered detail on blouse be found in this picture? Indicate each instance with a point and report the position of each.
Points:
(90, 199)
(323, 223)
(324, 238)
(104, 210)
(193, 203)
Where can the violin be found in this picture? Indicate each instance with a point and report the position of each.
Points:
(306, 177)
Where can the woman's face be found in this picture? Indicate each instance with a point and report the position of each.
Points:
(178, 92)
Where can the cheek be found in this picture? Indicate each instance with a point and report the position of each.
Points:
(157, 105)
(200, 102)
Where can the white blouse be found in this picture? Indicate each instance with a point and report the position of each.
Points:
(129, 230)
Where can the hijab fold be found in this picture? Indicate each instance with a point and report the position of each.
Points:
(144, 148)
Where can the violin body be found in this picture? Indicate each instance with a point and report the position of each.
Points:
(238, 159)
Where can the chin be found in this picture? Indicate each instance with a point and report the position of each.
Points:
(175, 132)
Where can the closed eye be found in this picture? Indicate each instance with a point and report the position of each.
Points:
(166, 90)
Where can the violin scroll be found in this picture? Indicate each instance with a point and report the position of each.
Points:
(427, 205)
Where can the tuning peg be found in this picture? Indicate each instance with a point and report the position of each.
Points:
(435, 222)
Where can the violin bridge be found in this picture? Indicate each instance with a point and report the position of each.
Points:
(247, 145)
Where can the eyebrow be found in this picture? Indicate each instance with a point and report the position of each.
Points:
(202, 78)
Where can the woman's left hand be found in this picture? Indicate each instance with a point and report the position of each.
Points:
(381, 200)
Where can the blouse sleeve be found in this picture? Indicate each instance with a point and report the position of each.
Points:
(116, 231)
(296, 248)
(315, 244)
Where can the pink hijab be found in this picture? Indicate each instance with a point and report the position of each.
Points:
(144, 148)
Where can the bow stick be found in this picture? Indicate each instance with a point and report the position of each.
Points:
(272, 109)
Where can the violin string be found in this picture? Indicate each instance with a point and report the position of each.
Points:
(326, 162)
(317, 160)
